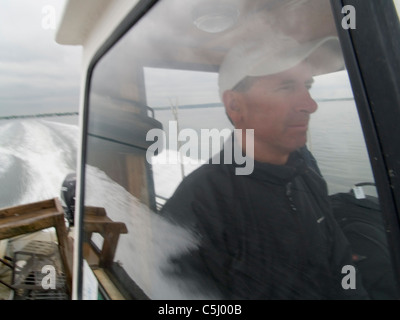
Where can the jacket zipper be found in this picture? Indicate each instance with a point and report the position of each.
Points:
(289, 196)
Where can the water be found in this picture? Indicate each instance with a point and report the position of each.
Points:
(36, 155)
(145, 251)
(337, 142)
(335, 138)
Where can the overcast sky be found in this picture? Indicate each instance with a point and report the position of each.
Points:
(37, 75)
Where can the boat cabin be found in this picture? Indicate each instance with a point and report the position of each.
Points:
(151, 113)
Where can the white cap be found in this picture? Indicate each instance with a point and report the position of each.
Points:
(277, 54)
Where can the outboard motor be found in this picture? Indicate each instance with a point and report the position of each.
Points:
(68, 197)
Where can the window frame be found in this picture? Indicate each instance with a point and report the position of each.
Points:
(377, 99)
(126, 24)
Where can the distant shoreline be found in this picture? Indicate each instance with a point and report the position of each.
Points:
(40, 115)
(192, 106)
(188, 106)
(335, 99)
(219, 104)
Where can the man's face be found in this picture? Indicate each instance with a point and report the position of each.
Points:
(278, 108)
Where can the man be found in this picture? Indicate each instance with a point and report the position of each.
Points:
(269, 234)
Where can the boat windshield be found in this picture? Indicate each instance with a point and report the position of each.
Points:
(223, 136)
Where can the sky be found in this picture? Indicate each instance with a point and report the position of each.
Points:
(37, 75)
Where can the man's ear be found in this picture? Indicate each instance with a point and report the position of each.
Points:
(233, 106)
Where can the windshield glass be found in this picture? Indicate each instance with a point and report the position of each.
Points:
(224, 142)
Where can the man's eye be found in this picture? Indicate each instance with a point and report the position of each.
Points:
(289, 87)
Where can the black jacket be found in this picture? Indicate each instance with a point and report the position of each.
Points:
(267, 235)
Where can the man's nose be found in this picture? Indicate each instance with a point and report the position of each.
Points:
(306, 103)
